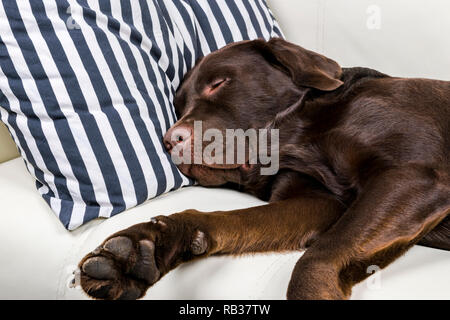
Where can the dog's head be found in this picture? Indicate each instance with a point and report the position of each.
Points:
(241, 86)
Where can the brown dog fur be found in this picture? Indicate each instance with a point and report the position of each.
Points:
(364, 173)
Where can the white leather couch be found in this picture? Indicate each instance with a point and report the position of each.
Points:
(399, 37)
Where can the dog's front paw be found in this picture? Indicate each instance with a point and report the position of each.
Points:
(130, 261)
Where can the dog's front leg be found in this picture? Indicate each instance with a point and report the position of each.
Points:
(395, 210)
(126, 264)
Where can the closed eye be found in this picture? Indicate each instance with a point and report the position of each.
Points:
(212, 88)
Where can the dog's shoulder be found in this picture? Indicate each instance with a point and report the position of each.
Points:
(353, 79)
(357, 75)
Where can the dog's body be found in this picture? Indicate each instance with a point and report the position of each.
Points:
(364, 172)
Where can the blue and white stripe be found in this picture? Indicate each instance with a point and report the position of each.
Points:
(86, 90)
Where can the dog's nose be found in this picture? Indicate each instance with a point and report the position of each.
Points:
(176, 135)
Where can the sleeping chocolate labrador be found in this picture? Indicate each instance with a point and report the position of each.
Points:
(363, 173)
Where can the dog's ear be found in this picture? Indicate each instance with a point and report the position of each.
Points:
(306, 68)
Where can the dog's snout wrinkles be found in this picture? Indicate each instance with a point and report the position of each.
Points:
(176, 135)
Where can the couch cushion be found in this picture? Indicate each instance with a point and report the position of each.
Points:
(401, 38)
(38, 255)
(8, 149)
(86, 89)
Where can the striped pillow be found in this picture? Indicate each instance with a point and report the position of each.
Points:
(86, 90)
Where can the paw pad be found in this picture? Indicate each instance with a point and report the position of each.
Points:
(146, 267)
(119, 246)
(100, 268)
